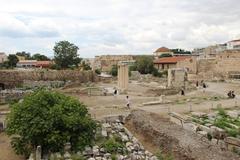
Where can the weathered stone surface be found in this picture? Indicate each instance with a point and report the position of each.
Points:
(232, 141)
(199, 114)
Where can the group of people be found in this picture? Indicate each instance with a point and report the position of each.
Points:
(231, 94)
(202, 83)
(115, 92)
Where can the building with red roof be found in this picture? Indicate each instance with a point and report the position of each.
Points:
(34, 64)
(162, 50)
(44, 64)
(168, 62)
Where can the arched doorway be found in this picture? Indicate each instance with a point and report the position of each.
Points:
(2, 86)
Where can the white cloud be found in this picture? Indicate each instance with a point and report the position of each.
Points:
(116, 26)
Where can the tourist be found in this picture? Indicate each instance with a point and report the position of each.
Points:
(231, 94)
(128, 102)
(204, 85)
(115, 93)
(197, 84)
(182, 92)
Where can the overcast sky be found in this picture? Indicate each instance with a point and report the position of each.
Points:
(116, 26)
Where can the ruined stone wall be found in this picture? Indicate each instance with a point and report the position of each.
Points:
(105, 62)
(221, 66)
(14, 78)
(190, 64)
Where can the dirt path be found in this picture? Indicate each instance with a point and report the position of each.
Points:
(6, 151)
(207, 105)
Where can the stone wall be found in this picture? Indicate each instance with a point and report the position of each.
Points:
(105, 62)
(15, 78)
(177, 77)
(190, 64)
(221, 66)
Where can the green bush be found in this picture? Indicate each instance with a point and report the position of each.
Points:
(222, 112)
(114, 70)
(98, 71)
(77, 157)
(162, 156)
(49, 119)
(112, 145)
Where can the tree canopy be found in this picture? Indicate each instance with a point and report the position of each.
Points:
(65, 54)
(144, 64)
(114, 70)
(180, 51)
(165, 55)
(24, 54)
(40, 57)
(12, 61)
(49, 119)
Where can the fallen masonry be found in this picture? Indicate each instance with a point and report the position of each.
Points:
(110, 127)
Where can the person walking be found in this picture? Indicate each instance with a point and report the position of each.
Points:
(128, 102)
(115, 93)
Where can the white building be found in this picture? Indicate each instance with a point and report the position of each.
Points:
(3, 57)
(235, 44)
(26, 63)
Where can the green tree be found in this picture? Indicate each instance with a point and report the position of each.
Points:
(98, 71)
(40, 57)
(49, 119)
(65, 54)
(114, 70)
(165, 55)
(180, 51)
(24, 54)
(85, 66)
(12, 61)
(144, 64)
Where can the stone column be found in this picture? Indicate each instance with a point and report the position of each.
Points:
(38, 153)
(123, 77)
(170, 78)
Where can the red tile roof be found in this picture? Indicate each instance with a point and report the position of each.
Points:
(162, 49)
(43, 63)
(170, 60)
(237, 40)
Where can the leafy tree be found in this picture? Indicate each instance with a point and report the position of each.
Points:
(114, 70)
(12, 61)
(98, 71)
(40, 57)
(65, 54)
(85, 66)
(49, 119)
(180, 51)
(144, 64)
(24, 54)
(165, 55)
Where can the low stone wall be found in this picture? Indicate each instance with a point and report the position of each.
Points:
(15, 78)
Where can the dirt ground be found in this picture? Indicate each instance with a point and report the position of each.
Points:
(6, 151)
(197, 100)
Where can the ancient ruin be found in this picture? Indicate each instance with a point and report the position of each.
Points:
(123, 78)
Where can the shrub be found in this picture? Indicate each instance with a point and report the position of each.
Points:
(98, 71)
(112, 145)
(114, 70)
(222, 112)
(49, 119)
